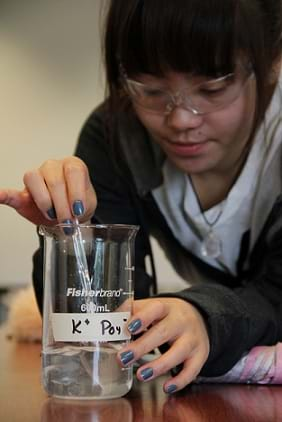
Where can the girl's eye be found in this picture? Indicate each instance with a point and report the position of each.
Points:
(151, 92)
(213, 88)
(212, 91)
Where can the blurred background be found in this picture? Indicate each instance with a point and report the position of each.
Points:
(51, 79)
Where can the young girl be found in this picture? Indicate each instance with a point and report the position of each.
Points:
(187, 145)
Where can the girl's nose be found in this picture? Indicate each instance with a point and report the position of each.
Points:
(180, 119)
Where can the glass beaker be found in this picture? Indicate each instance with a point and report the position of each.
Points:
(88, 297)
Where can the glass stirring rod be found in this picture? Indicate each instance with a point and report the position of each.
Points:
(81, 258)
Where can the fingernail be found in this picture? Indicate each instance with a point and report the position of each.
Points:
(171, 388)
(146, 373)
(52, 213)
(134, 325)
(78, 208)
(68, 230)
(126, 357)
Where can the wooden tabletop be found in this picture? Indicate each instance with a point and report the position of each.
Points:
(22, 398)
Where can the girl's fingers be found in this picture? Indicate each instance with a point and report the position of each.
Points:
(158, 334)
(91, 198)
(146, 312)
(152, 314)
(37, 188)
(11, 197)
(191, 369)
(177, 354)
(170, 321)
(24, 204)
(59, 190)
(54, 177)
(81, 195)
(161, 332)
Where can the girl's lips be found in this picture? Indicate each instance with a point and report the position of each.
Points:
(186, 149)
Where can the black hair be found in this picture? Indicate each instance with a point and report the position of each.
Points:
(195, 36)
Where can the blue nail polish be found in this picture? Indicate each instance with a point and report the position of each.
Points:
(126, 357)
(52, 213)
(146, 373)
(78, 208)
(68, 230)
(171, 388)
(134, 325)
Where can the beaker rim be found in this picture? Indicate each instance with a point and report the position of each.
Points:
(105, 227)
(93, 225)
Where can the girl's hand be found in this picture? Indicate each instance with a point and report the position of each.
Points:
(173, 321)
(58, 191)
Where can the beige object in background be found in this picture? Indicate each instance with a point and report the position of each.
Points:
(24, 320)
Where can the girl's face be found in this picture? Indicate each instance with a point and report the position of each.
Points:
(200, 143)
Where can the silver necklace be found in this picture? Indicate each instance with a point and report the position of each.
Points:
(211, 246)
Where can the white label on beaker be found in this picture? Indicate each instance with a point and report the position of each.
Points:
(109, 326)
